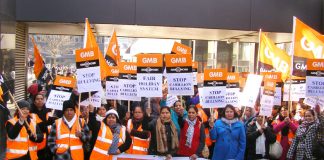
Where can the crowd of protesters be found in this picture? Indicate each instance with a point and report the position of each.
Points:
(185, 129)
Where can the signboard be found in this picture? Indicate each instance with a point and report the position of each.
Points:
(95, 99)
(88, 70)
(214, 90)
(128, 81)
(267, 99)
(251, 90)
(194, 72)
(179, 74)
(149, 75)
(60, 92)
(298, 90)
(112, 86)
(276, 76)
(179, 48)
(315, 77)
(170, 100)
(232, 89)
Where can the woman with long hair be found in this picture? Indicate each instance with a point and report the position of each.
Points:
(229, 133)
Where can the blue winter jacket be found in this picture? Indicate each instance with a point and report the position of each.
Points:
(230, 140)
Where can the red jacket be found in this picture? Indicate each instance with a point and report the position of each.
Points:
(185, 150)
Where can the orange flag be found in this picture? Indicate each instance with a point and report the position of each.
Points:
(308, 44)
(90, 42)
(40, 71)
(272, 58)
(1, 93)
(113, 53)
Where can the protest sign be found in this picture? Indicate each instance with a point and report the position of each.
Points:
(276, 76)
(315, 78)
(267, 99)
(251, 90)
(179, 48)
(149, 75)
(112, 86)
(297, 91)
(232, 89)
(60, 92)
(95, 99)
(88, 70)
(128, 81)
(194, 72)
(313, 101)
(179, 74)
(170, 100)
(214, 90)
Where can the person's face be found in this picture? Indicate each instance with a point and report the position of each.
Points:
(69, 113)
(85, 112)
(111, 120)
(138, 113)
(238, 111)
(229, 114)
(102, 111)
(165, 114)
(274, 111)
(248, 112)
(39, 101)
(284, 112)
(178, 107)
(259, 119)
(25, 111)
(192, 114)
(309, 117)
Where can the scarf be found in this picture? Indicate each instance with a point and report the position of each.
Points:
(99, 118)
(260, 142)
(161, 136)
(70, 124)
(229, 122)
(114, 145)
(190, 131)
(303, 128)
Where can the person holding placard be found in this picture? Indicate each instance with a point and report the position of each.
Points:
(285, 129)
(192, 136)
(248, 116)
(302, 145)
(259, 137)
(164, 135)
(68, 134)
(176, 112)
(137, 127)
(23, 134)
(229, 134)
(112, 137)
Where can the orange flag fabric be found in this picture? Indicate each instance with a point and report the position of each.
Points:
(113, 54)
(40, 71)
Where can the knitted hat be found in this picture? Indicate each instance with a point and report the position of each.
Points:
(68, 104)
(22, 104)
(112, 111)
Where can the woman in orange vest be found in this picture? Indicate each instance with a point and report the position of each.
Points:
(112, 137)
(137, 127)
(22, 139)
(285, 129)
(68, 134)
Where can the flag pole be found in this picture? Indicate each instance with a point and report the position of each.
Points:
(291, 65)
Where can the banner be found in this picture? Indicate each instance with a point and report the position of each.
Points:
(128, 81)
(170, 100)
(313, 101)
(298, 89)
(95, 99)
(272, 58)
(276, 76)
(179, 74)
(194, 72)
(113, 54)
(233, 89)
(41, 72)
(60, 92)
(251, 90)
(88, 70)
(112, 85)
(214, 90)
(308, 44)
(149, 75)
(179, 48)
(267, 98)
(315, 78)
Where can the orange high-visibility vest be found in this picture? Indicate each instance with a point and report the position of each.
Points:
(19, 146)
(103, 142)
(139, 146)
(291, 135)
(66, 139)
(42, 144)
(204, 117)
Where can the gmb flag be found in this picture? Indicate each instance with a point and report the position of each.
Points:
(272, 58)
(40, 70)
(113, 54)
(307, 44)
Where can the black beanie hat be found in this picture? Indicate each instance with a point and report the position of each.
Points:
(68, 104)
(22, 104)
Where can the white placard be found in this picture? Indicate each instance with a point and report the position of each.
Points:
(214, 97)
(195, 82)
(266, 105)
(251, 90)
(95, 99)
(297, 91)
(201, 96)
(170, 100)
(180, 84)
(128, 90)
(312, 101)
(88, 79)
(112, 90)
(277, 96)
(314, 86)
(149, 85)
(232, 96)
(56, 98)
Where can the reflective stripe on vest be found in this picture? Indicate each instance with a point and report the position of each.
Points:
(139, 145)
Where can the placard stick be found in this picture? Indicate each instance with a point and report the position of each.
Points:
(78, 113)
(128, 105)
(149, 104)
(263, 119)
(115, 104)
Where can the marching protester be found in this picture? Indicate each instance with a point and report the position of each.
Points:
(318, 148)
(192, 136)
(68, 134)
(229, 134)
(137, 127)
(177, 111)
(302, 144)
(248, 116)
(112, 137)
(23, 134)
(259, 137)
(285, 129)
(164, 135)
(43, 119)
